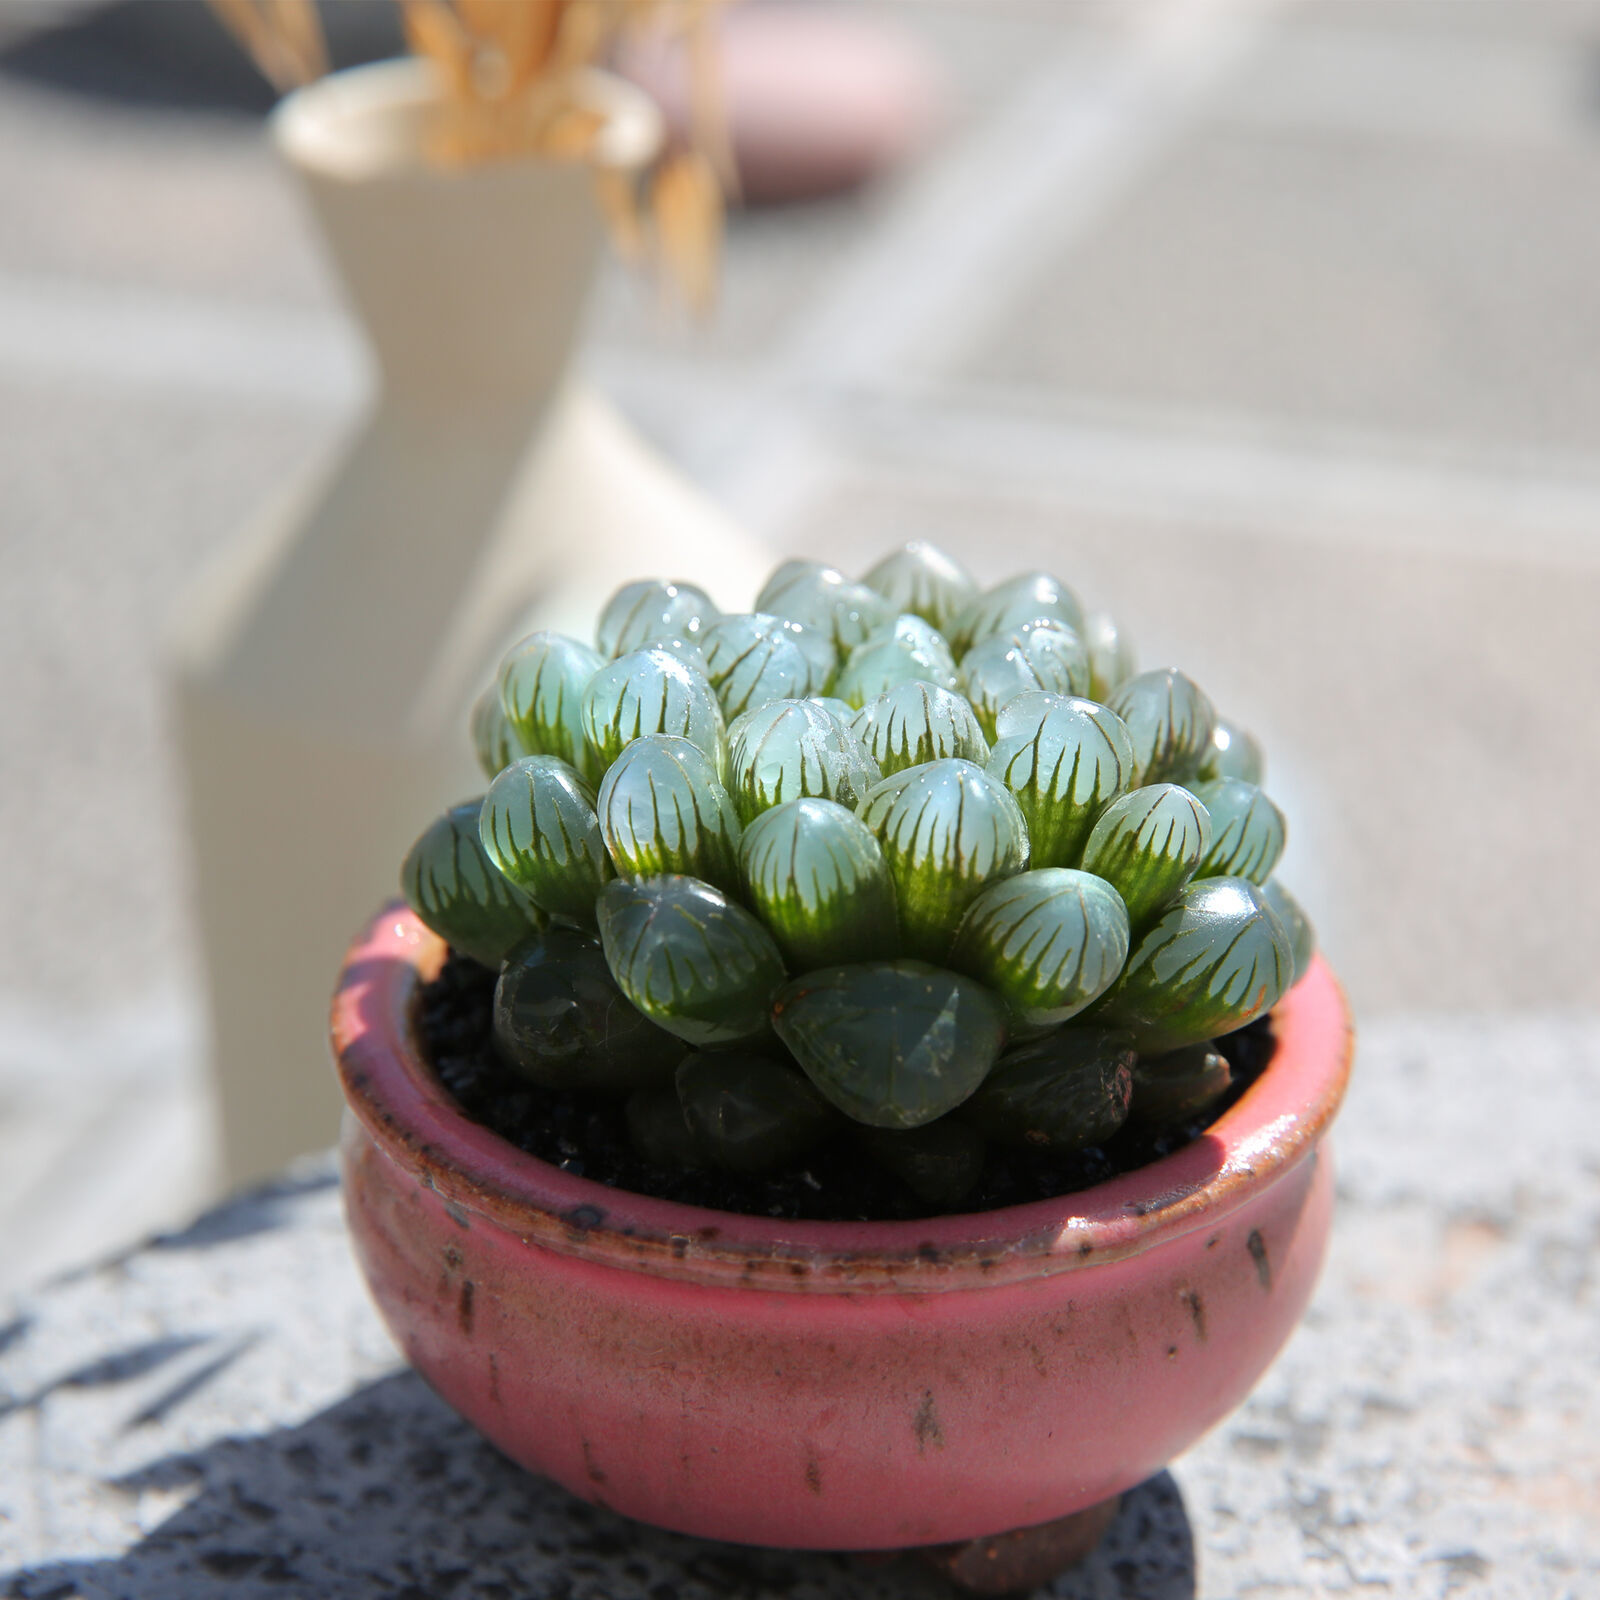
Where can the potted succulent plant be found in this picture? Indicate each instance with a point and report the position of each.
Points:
(852, 1080)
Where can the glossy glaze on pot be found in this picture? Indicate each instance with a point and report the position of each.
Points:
(830, 1385)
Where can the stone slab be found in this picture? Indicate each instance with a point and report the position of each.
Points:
(1569, 19)
(186, 202)
(1360, 74)
(106, 1131)
(1424, 289)
(219, 1412)
(113, 505)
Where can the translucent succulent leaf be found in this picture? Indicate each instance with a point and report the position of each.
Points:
(840, 710)
(790, 748)
(1063, 1092)
(1216, 959)
(651, 691)
(561, 1021)
(1302, 936)
(818, 648)
(783, 576)
(1233, 753)
(690, 654)
(748, 1113)
(824, 599)
(950, 830)
(919, 722)
(652, 609)
(657, 1129)
(1147, 845)
(1247, 831)
(940, 1163)
(1032, 658)
(907, 651)
(1170, 721)
(542, 680)
(1179, 1085)
(691, 959)
(460, 894)
(815, 874)
(880, 798)
(1048, 942)
(538, 826)
(1028, 598)
(662, 810)
(1111, 658)
(894, 1043)
(1065, 760)
(920, 578)
(494, 740)
(752, 659)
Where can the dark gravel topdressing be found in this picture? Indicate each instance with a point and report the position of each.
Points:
(587, 1135)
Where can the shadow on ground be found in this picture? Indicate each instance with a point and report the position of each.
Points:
(389, 1494)
(175, 55)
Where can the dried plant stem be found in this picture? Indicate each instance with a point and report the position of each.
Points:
(283, 37)
(509, 70)
(708, 110)
(687, 204)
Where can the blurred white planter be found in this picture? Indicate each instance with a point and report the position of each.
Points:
(324, 669)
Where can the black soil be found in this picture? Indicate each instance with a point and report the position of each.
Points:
(586, 1135)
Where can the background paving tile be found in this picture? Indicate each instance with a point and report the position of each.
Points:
(1574, 20)
(1397, 288)
(110, 505)
(187, 202)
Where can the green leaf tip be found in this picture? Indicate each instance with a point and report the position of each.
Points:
(661, 809)
(652, 610)
(692, 960)
(651, 690)
(788, 749)
(947, 829)
(538, 826)
(1217, 959)
(458, 892)
(920, 578)
(815, 875)
(1064, 759)
(1050, 942)
(894, 1044)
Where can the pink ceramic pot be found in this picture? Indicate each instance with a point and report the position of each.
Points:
(830, 1385)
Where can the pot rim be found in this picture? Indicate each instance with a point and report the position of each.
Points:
(364, 123)
(398, 1100)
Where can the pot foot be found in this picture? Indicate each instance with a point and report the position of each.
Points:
(1025, 1558)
